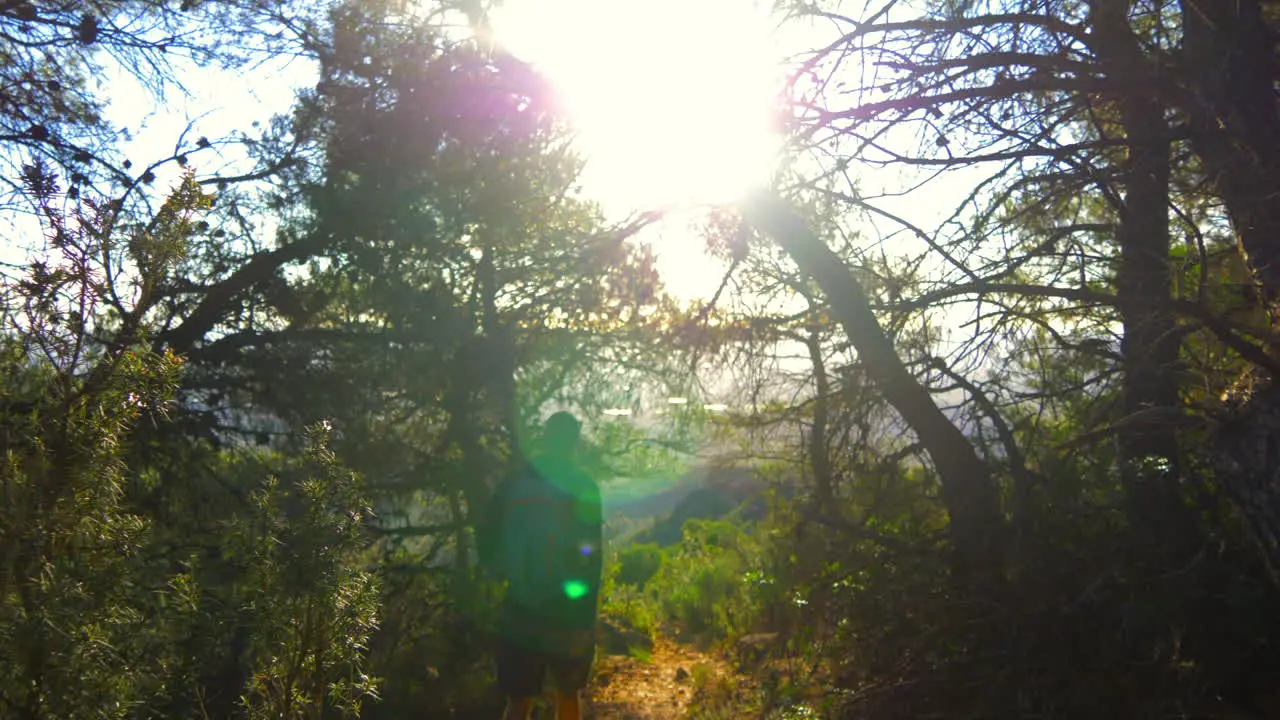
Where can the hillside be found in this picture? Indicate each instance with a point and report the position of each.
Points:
(703, 493)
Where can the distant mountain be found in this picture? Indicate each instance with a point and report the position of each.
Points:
(640, 499)
(709, 494)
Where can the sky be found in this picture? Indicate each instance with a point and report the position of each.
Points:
(216, 104)
(676, 102)
(673, 101)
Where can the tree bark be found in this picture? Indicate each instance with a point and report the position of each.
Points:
(1230, 63)
(819, 444)
(968, 487)
(1162, 527)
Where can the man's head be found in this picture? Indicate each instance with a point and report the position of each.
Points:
(560, 435)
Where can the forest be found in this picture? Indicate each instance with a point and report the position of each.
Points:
(980, 420)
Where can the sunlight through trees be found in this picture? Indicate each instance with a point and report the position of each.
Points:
(925, 353)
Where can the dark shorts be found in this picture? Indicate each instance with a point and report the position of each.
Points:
(531, 648)
(522, 671)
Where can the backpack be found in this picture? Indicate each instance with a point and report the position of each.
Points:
(538, 545)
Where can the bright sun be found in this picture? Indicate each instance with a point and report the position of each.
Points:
(673, 100)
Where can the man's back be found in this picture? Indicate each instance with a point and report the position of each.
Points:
(550, 547)
(545, 540)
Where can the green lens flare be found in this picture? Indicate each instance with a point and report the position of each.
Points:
(574, 589)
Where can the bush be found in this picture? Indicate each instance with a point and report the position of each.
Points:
(705, 584)
(314, 610)
(638, 563)
(77, 615)
(634, 609)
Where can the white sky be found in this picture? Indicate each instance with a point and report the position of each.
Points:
(673, 98)
(676, 104)
(674, 101)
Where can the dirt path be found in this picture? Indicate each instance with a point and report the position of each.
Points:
(659, 688)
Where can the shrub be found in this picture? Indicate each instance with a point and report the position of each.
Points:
(638, 563)
(704, 583)
(634, 608)
(314, 610)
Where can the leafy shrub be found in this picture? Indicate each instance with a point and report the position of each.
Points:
(703, 585)
(125, 590)
(717, 697)
(75, 614)
(313, 609)
(634, 608)
(638, 563)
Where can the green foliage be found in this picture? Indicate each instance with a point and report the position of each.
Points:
(78, 600)
(716, 697)
(711, 585)
(74, 621)
(704, 584)
(312, 609)
(94, 628)
(637, 563)
(124, 593)
(634, 608)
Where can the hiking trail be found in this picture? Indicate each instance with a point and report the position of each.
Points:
(661, 687)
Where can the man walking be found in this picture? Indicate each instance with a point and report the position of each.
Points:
(548, 548)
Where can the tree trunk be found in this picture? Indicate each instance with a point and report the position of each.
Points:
(1161, 523)
(968, 486)
(819, 444)
(1162, 526)
(1229, 57)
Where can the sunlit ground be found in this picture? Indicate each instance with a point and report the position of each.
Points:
(674, 102)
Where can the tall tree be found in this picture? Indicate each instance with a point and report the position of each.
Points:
(1163, 528)
(1228, 66)
(968, 486)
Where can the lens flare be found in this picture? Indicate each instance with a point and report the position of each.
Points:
(574, 589)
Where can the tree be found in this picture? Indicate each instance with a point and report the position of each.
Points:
(105, 612)
(1227, 60)
(1148, 453)
(1068, 132)
(968, 487)
(52, 111)
(436, 274)
(1061, 99)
